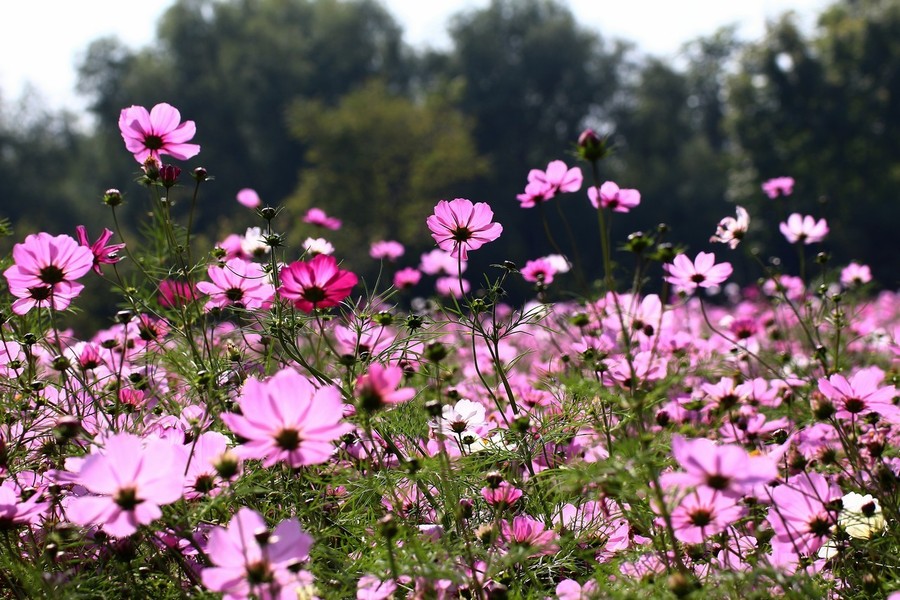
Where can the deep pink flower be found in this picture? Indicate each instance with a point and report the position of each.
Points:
(250, 559)
(702, 513)
(703, 272)
(249, 198)
(103, 254)
(459, 226)
(386, 249)
(317, 283)
(803, 229)
(45, 271)
(129, 479)
(611, 196)
(406, 278)
(503, 495)
(317, 217)
(174, 293)
(527, 531)
(778, 186)
(287, 419)
(158, 132)
(378, 387)
(238, 283)
(538, 270)
(731, 230)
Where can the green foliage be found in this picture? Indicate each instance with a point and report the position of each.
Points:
(381, 160)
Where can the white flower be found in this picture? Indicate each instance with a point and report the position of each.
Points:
(315, 246)
(253, 243)
(559, 262)
(861, 516)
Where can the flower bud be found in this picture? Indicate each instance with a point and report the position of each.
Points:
(168, 175)
(591, 147)
(112, 197)
(151, 168)
(200, 174)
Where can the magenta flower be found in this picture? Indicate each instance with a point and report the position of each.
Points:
(249, 198)
(702, 513)
(407, 278)
(386, 249)
(103, 254)
(317, 217)
(174, 293)
(687, 276)
(459, 226)
(250, 559)
(527, 531)
(538, 270)
(129, 480)
(803, 229)
(317, 283)
(378, 387)
(504, 495)
(731, 230)
(287, 419)
(238, 283)
(779, 186)
(609, 195)
(158, 132)
(45, 271)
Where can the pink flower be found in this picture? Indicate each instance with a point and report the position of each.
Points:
(526, 531)
(452, 286)
(387, 249)
(174, 293)
(249, 198)
(438, 261)
(779, 186)
(45, 271)
(855, 274)
(129, 480)
(103, 254)
(569, 589)
(610, 196)
(238, 283)
(728, 469)
(538, 270)
(158, 132)
(378, 387)
(318, 283)
(504, 494)
(702, 513)
(731, 230)
(803, 512)
(406, 278)
(287, 419)
(543, 185)
(207, 457)
(803, 229)
(860, 395)
(459, 226)
(703, 272)
(317, 217)
(250, 559)
(371, 587)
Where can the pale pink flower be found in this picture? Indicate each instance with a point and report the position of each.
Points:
(731, 230)
(316, 246)
(128, 481)
(317, 217)
(728, 469)
(861, 394)
(157, 132)
(702, 272)
(543, 185)
(778, 186)
(370, 587)
(287, 419)
(609, 195)
(803, 512)
(459, 226)
(569, 589)
(452, 286)
(702, 513)
(386, 249)
(45, 270)
(249, 198)
(250, 559)
(237, 283)
(205, 456)
(855, 274)
(803, 229)
(317, 283)
(438, 261)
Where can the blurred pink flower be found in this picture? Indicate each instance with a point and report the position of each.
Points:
(538, 270)
(249, 198)
(543, 185)
(459, 226)
(778, 186)
(855, 274)
(803, 512)
(527, 531)
(317, 283)
(158, 132)
(287, 419)
(317, 217)
(377, 388)
(406, 278)
(731, 230)
(386, 249)
(803, 229)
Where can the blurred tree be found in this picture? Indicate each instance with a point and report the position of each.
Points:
(825, 110)
(380, 162)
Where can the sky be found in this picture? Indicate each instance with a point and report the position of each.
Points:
(43, 39)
